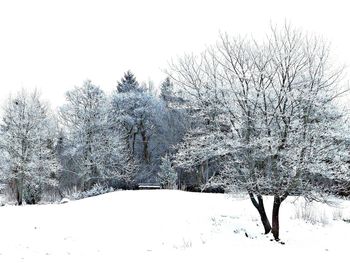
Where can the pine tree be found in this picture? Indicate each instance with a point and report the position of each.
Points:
(172, 98)
(166, 90)
(128, 83)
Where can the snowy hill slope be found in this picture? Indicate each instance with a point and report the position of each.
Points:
(167, 226)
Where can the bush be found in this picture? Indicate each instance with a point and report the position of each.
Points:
(217, 189)
(97, 189)
(32, 194)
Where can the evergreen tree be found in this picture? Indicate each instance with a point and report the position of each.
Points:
(128, 83)
(166, 90)
(172, 98)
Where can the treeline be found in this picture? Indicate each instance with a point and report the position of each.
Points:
(114, 141)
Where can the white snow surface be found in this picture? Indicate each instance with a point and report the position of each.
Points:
(169, 226)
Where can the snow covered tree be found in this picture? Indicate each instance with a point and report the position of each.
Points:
(267, 110)
(167, 174)
(147, 124)
(98, 153)
(175, 120)
(128, 83)
(27, 139)
(140, 117)
(134, 113)
(167, 90)
(304, 138)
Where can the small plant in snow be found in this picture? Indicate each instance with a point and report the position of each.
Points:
(311, 214)
(167, 174)
(337, 214)
(186, 243)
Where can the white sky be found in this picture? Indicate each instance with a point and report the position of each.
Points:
(56, 44)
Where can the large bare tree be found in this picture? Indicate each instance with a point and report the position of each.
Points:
(272, 108)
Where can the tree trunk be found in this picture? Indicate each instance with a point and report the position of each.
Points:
(133, 143)
(205, 171)
(275, 217)
(259, 205)
(263, 216)
(145, 146)
(19, 191)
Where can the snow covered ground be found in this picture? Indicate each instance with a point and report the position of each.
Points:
(170, 226)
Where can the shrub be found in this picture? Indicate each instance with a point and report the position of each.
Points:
(167, 174)
(32, 194)
(97, 189)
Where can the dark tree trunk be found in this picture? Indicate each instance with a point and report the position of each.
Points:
(205, 171)
(145, 146)
(275, 217)
(263, 216)
(19, 191)
(259, 205)
(133, 143)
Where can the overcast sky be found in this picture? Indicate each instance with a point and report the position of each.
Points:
(56, 44)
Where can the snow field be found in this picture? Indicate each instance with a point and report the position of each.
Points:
(168, 226)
